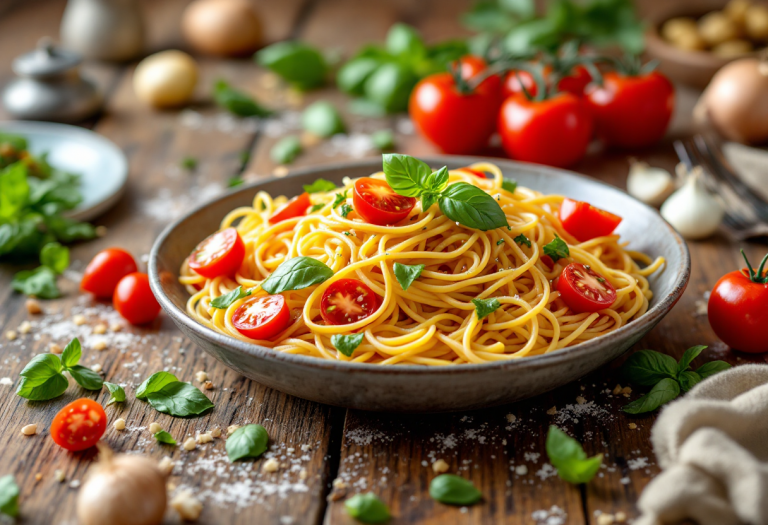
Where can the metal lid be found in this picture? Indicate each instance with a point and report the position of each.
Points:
(45, 61)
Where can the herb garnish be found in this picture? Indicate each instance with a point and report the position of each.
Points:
(522, 239)
(322, 119)
(485, 307)
(347, 344)
(285, 150)
(339, 198)
(407, 273)
(557, 249)
(319, 186)
(367, 508)
(170, 396)
(454, 490)
(296, 274)
(345, 210)
(43, 379)
(249, 441)
(9, 496)
(223, 302)
(509, 185)
(116, 391)
(237, 102)
(164, 437)
(297, 63)
(568, 457)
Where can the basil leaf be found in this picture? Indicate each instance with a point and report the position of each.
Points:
(285, 150)
(249, 441)
(454, 490)
(68, 230)
(85, 377)
(688, 380)
(188, 163)
(234, 182)
(390, 86)
(428, 200)
(71, 354)
(237, 102)
(9, 496)
(42, 366)
(406, 175)
(179, 399)
(154, 383)
(116, 391)
(404, 40)
(383, 139)
(472, 207)
(319, 186)
(164, 437)
(352, 75)
(55, 256)
(569, 458)
(509, 184)
(346, 344)
(557, 249)
(648, 367)
(14, 190)
(42, 388)
(297, 63)
(367, 508)
(522, 239)
(40, 282)
(339, 198)
(345, 209)
(322, 119)
(485, 307)
(223, 302)
(296, 274)
(438, 180)
(688, 357)
(407, 273)
(663, 392)
(316, 207)
(713, 367)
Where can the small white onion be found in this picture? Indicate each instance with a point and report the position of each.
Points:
(692, 210)
(650, 185)
(165, 79)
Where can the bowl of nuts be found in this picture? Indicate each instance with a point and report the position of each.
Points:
(692, 39)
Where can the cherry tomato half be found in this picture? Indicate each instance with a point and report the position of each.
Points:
(631, 111)
(105, 270)
(296, 207)
(555, 131)
(262, 317)
(377, 203)
(134, 300)
(347, 301)
(220, 254)
(79, 425)
(738, 310)
(456, 122)
(585, 222)
(585, 290)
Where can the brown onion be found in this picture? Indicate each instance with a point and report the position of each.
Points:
(222, 27)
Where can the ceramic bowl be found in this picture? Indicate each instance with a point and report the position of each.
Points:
(403, 388)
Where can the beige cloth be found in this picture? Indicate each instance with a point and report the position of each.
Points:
(713, 447)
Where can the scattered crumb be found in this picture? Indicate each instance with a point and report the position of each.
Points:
(554, 516)
(552, 411)
(6, 381)
(580, 400)
(99, 345)
(189, 444)
(280, 171)
(119, 424)
(620, 517)
(632, 426)
(100, 329)
(616, 390)
(25, 327)
(29, 430)
(188, 507)
(96, 367)
(204, 438)
(521, 470)
(215, 433)
(440, 466)
(201, 376)
(58, 475)
(154, 428)
(33, 307)
(55, 349)
(231, 429)
(208, 385)
(605, 519)
(270, 465)
(115, 327)
(79, 319)
(166, 465)
(38, 476)
(11, 335)
(101, 231)
(511, 418)
(75, 483)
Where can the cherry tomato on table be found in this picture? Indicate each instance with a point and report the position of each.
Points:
(573, 83)
(631, 111)
(105, 270)
(585, 222)
(79, 425)
(738, 308)
(454, 120)
(134, 300)
(296, 207)
(220, 254)
(555, 131)
(347, 301)
(585, 290)
(377, 203)
(262, 317)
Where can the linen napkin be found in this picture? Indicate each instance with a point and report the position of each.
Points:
(713, 447)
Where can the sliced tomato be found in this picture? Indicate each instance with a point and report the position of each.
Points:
(476, 173)
(262, 317)
(585, 290)
(79, 425)
(377, 203)
(134, 299)
(105, 270)
(585, 222)
(347, 301)
(296, 207)
(220, 254)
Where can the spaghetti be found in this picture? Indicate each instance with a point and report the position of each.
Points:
(434, 321)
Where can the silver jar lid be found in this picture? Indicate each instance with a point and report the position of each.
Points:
(46, 60)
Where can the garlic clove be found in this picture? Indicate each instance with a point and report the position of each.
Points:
(649, 185)
(692, 210)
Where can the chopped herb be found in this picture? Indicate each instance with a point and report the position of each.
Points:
(164, 437)
(339, 198)
(509, 185)
(234, 182)
(454, 490)
(499, 242)
(406, 274)
(316, 207)
(383, 139)
(319, 186)
(557, 249)
(568, 457)
(223, 302)
(346, 344)
(522, 239)
(295, 274)
(345, 209)
(189, 163)
(237, 102)
(486, 307)
(286, 150)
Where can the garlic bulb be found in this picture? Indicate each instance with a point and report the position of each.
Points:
(650, 185)
(122, 489)
(165, 79)
(692, 210)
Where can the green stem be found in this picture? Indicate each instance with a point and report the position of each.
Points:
(756, 277)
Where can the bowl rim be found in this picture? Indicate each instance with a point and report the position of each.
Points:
(651, 317)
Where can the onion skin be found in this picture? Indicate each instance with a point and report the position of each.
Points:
(222, 27)
(736, 101)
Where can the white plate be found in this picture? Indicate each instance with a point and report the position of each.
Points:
(102, 166)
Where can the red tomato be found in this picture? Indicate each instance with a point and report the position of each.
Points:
(585, 290)
(573, 83)
(134, 299)
(262, 317)
(347, 301)
(296, 207)
(105, 270)
(631, 111)
(555, 131)
(476, 173)
(377, 203)
(585, 222)
(576, 82)
(220, 254)
(453, 121)
(79, 425)
(738, 309)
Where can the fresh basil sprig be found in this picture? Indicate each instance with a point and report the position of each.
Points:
(485, 307)
(557, 249)
(407, 273)
(249, 441)
(9, 496)
(454, 490)
(295, 274)
(666, 376)
(319, 186)
(223, 302)
(41, 282)
(367, 508)
(568, 457)
(347, 344)
(116, 391)
(164, 437)
(43, 379)
(170, 396)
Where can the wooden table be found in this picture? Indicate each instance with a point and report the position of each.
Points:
(387, 453)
